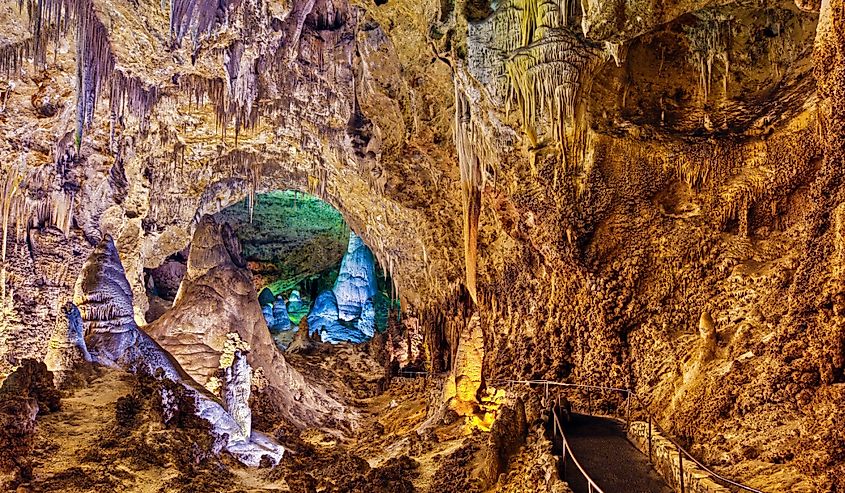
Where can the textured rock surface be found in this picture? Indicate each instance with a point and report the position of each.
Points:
(356, 281)
(324, 320)
(115, 341)
(281, 320)
(347, 312)
(67, 351)
(216, 299)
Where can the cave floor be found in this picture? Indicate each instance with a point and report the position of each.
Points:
(109, 436)
(602, 448)
(90, 445)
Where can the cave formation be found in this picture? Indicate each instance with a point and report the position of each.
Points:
(358, 245)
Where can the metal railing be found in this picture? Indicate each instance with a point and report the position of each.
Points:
(652, 423)
(592, 487)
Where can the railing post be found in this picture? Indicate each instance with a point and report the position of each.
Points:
(563, 451)
(546, 385)
(681, 468)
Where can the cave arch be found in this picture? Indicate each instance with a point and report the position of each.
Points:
(307, 263)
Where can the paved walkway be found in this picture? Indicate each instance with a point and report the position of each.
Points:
(608, 457)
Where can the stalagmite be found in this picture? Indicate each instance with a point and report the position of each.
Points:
(356, 281)
(461, 389)
(104, 299)
(66, 351)
(237, 381)
(217, 283)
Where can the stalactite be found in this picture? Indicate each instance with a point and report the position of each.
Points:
(11, 187)
(530, 11)
(471, 163)
(196, 17)
(13, 55)
(95, 61)
(48, 19)
(198, 88)
(709, 41)
(546, 78)
(614, 50)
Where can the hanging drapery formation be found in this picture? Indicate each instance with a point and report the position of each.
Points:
(709, 41)
(194, 16)
(547, 74)
(95, 61)
(96, 70)
(11, 186)
(12, 57)
(473, 154)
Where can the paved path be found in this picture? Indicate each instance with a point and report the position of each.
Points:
(609, 458)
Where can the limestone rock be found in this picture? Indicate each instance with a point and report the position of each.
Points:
(281, 320)
(461, 389)
(356, 281)
(324, 320)
(267, 311)
(67, 350)
(167, 278)
(366, 322)
(302, 342)
(116, 341)
(236, 388)
(32, 380)
(218, 298)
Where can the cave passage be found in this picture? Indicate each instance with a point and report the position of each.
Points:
(308, 265)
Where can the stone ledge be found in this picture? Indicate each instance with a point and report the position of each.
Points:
(665, 458)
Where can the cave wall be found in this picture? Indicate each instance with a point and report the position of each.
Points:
(628, 193)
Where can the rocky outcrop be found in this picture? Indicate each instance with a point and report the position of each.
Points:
(32, 380)
(115, 341)
(276, 314)
(167, 277)
(366, 322)
(324, 320)
(67, 351)
(25, 393)
(356, 281)
(347, 312)
(216, 299)
(267, 311)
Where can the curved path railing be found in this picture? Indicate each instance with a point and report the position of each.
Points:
(652, 422)
(592, 487)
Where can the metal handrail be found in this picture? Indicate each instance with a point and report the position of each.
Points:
(592, 487)
(683, 451)
(629, 393)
